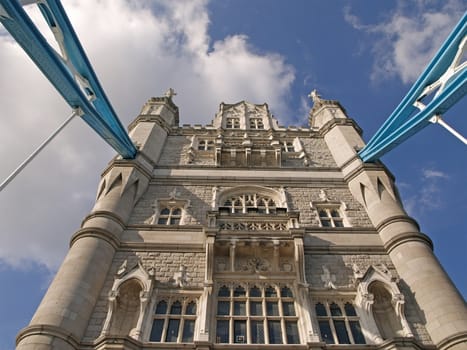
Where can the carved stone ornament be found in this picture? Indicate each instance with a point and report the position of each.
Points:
(323, 195)
(132, 272)
(365, 299)
(221, 264)
(328, 278)
(180, 278)
(170, 93)
(286, 265)
(315, 97)
(254, 265)
(174, 194)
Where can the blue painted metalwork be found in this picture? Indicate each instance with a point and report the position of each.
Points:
(412, 115)
(72, 75)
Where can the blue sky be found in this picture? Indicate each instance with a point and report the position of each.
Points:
(366, 54)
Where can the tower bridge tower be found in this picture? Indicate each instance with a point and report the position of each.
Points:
(247, 234)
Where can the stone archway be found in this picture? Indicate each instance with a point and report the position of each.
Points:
(385, 316)
(127, 308)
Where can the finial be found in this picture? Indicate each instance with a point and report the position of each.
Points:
(315, 97)
(170, 93)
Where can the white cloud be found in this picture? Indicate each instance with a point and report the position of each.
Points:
(428, 196)
(138, 50)
(433, 174)
(409, 37)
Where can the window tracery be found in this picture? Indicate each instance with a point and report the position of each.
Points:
(170, 216)
(256, 314)
(250, 203)
(169, 211)
(256, 123)
(232, 123)
(338, 323)
(174, 321)
(288, 146)
(330, 217)
(205, 145)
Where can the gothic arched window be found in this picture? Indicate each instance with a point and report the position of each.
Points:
(261, 314)
(250, 203)
(174, 323)
(336, 326)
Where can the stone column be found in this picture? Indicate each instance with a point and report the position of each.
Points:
(443, 308)
(64, 313)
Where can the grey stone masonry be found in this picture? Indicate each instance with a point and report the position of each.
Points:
(314, 244)
(166, 264)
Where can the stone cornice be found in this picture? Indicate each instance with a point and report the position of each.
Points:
(451, 341)
(397, 218)
(47, 330)
(133, 163)
(104, 214)
(156, 227)
(321, 104)
(408, 237)
(96, 232)
(157, 119)
(378, 166)
(339, 122)
(188, 247)
(222, 181)
(341, 230)
(404, 343)
(345, 249)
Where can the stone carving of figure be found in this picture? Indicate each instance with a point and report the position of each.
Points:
(180, 278)
(315, 97)
(170, 93)
(323, 195)
(357, 272)
(122, 268)
(174, 194)
(214, 197)
(328, 279)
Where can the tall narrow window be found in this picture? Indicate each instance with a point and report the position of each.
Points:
(339, 323)
(174, 323)
(259, 314)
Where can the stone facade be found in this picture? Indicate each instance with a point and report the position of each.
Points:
(244, 233)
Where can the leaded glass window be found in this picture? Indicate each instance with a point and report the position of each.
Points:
(174, 322)
(339, 323)
(256, 123)
(232, 123)
(170, 216)
(330, 217)
(288, 146)
(257, 314)
(250, 202)
(205, 145)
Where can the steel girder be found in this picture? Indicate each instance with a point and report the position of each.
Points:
(445, 75)
(70, 73)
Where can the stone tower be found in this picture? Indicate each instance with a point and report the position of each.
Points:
(242, 233)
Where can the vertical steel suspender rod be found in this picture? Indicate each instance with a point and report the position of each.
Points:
(76, 112)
